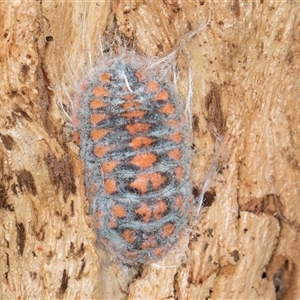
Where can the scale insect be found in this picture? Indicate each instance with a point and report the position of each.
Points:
(135, 141)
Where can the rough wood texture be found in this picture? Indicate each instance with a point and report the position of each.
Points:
(246, 88)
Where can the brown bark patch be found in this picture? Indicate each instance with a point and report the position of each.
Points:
(4, 199)
(213, 105)
(21, 237)
(64, 283)
(26, 181)
(7, 141)
(267, 204)
(61, 174)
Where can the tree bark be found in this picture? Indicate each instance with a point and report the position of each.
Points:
(245, 68)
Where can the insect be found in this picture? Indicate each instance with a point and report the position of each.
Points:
(134, 138)
(136, 153)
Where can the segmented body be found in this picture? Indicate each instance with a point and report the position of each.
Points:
(135, 145)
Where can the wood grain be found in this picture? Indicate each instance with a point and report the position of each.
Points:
(246, 89)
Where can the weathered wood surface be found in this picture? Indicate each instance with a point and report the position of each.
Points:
(246, 88)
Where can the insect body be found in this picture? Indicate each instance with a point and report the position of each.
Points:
(135, 145)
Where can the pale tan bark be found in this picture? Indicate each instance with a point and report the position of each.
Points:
(246, 88)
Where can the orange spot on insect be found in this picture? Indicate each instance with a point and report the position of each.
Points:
(140, 183)
(76, 137)
(98, 134)
(163, 95)
(159, 251)
(129, 236)
(104, 78)
(110, 186)
(104, 241)
(144, 160)
(129, 97)
(134, 114)
(100, 91)
(159, 209)
(128, 105)
(100, 151)
(109, 166)
(167, 109)
(130, 255)
(138, 127)
(172, 123)
(142, 180)
(144, 211)
(178, 202)
(112, 223)
(175, 154)
(98, 214)
(157, 180)
(152, 86)
(141, 141)
(97, 224)
(167, 230)
(140, 75)
(176, 137)
(178, 173)
(96, 118)
(149, 243)
(83, 87)
(95, 104)
(118, 211)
